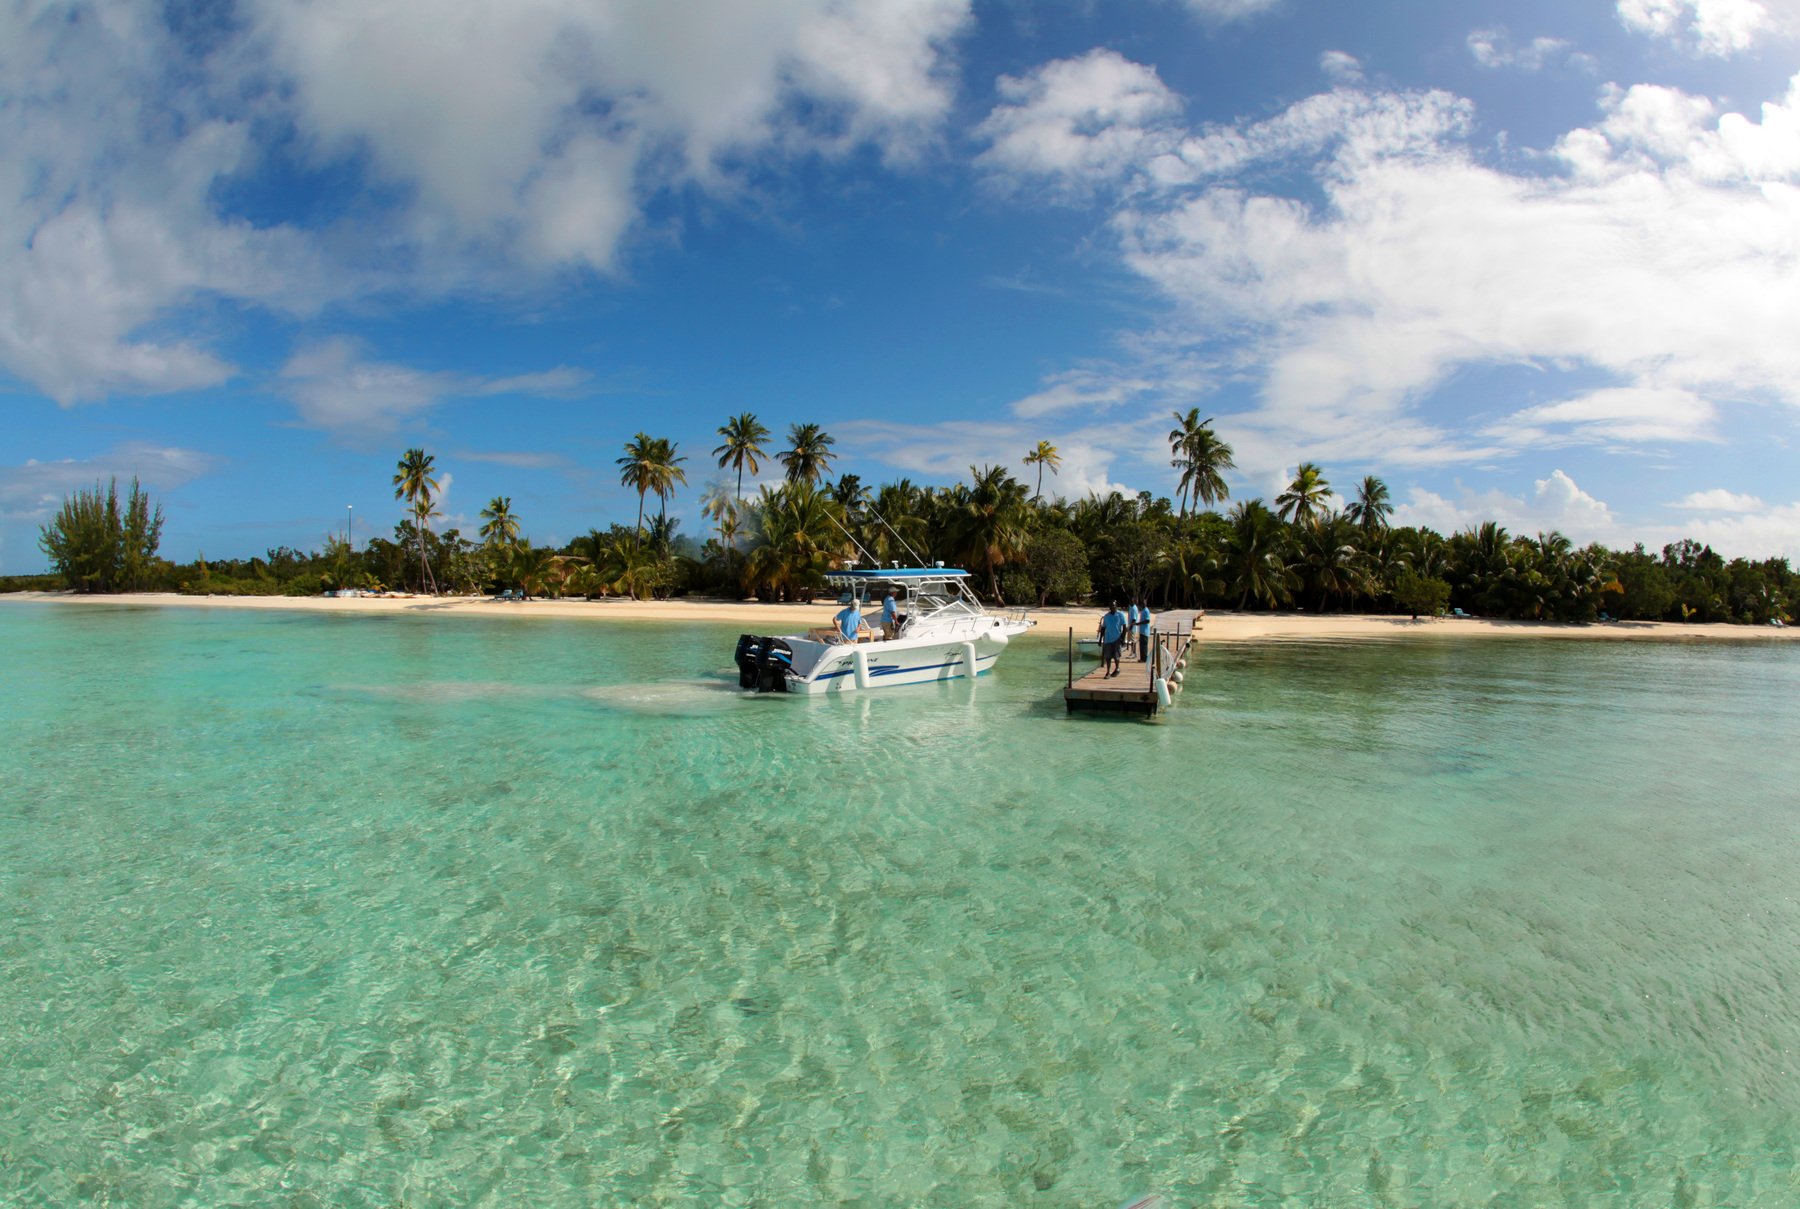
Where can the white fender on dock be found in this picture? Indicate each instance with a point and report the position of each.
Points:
(1162, 694)
(860, 658)
(971, 662)
(1178, 677)
(1181, 662)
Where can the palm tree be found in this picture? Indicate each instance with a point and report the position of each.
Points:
(1255, 554)
(1372, 507)
(634, 470)
(808, 457)
(650, 465)
(666, 472)
(798, 535)
(1304, 500)
(902, 508)
(1180, 444)
(1202, 459)
(721, 507)
(502, 527)
(1044, 455)
(413, 482)
(1329, 559)
(992, 524)
(1208, 458)
(742, 447)
(424, 512)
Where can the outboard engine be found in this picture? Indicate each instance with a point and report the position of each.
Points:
(763, 663)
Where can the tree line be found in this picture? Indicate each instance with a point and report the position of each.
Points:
(1023, 548)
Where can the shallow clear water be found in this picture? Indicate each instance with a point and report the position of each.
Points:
(371, 911)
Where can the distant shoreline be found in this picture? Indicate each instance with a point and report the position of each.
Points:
(789, 618)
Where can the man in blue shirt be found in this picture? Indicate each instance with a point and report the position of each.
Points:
(890, 616)
(849, 621)
(1131, 616)
(1143, 629)
(1112, 636)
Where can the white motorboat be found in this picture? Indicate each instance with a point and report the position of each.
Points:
(944, 634)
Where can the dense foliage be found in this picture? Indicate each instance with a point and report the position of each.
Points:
(1023, 548)
(96, 545)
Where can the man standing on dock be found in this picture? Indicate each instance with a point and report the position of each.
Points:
(1143, 631)
(1112, 637)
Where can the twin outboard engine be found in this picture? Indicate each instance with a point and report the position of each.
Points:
(763, 663)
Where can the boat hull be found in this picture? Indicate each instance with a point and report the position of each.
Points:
(888, 667)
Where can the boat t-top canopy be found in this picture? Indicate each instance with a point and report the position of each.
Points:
(853, 579)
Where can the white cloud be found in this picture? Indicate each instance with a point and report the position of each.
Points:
(334, 386)
(1758, 532)
(544, 127)
(485, 143)
(1555, 503)
(1720, 500)
(108, 224)
(1086, 390)
(1078, 120)
(1230, 10)
(1710, 27)
(1665, 260)
(35, 490)
(1353, 125)
(1341, 67)
(1494, 48)
(1625, 415)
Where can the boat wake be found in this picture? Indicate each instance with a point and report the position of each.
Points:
(673, 697)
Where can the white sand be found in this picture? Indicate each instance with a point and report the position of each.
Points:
(790, 618)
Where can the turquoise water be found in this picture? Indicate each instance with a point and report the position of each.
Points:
(327, 911)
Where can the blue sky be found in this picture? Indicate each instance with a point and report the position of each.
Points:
(1532, 262)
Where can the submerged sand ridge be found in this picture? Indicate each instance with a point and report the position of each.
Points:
(791, 618)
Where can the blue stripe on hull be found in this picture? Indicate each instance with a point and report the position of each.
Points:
(875, 671)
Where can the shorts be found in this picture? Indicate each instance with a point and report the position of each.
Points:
(1109, 650)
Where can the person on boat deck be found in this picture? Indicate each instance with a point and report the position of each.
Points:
(849, 621)
(890, 616)
(1112, 635)
(1143, 629)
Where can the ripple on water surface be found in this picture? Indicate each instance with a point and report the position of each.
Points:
(319, 912)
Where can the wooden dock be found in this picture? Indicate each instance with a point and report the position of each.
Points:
(1134, 689)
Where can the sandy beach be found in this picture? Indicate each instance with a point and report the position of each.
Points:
(1218, 626)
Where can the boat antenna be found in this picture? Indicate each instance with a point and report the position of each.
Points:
(866, 556)
(915, 554)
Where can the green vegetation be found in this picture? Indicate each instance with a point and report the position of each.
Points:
(1021, 547)
(94, 545)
